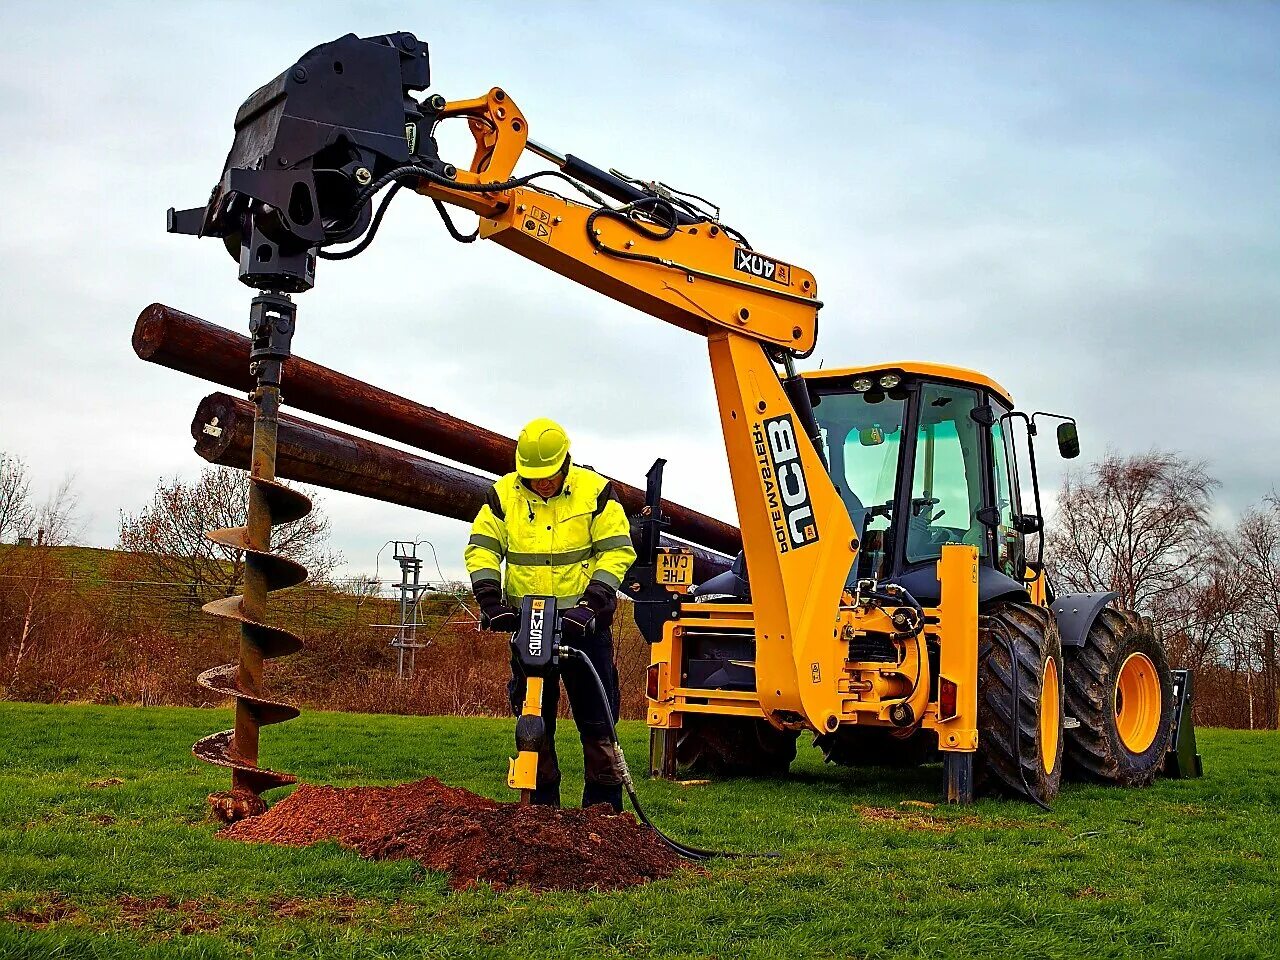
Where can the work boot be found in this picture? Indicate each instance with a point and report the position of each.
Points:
(593, 793)
(603, 773)
(547, 791)
(546, 796)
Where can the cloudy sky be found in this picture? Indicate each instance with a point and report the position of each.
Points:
(1082, 200)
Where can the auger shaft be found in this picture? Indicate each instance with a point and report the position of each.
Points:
(266, 400)
(271, 323)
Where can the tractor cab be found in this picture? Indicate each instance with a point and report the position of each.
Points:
(924, 455)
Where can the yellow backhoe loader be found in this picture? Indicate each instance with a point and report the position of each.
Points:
(884, 599)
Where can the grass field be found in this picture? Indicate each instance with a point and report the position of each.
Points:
(105, 852)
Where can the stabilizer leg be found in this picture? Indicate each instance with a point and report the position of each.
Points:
(662, 754)
(959, 772)
(1183, 761)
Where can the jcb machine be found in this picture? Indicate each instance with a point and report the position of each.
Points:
(948, 638)
(884, 599)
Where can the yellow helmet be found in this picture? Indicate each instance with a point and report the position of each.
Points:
(541, 449)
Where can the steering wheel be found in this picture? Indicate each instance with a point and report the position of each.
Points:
(919, 503)
(881, 510)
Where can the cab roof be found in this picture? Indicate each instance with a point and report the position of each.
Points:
(927, 371)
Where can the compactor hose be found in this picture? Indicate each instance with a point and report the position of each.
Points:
(690, 853)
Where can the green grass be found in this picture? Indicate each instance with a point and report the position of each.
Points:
(91, 564)
(102, 810)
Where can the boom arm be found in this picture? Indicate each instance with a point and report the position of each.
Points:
(314, 146)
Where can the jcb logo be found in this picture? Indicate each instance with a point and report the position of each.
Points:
(785, 488)
(748, 261)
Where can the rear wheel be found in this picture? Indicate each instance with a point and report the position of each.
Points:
(734, 746)
(1020, 702)
(1120, 690)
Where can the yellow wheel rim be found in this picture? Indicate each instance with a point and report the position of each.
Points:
(1137, 702)
(1050, 715)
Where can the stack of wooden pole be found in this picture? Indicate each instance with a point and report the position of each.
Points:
(316, 454)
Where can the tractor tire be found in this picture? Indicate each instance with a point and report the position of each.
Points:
(877, 747)
(1120, 690)
(1020, 703)
(734, 747)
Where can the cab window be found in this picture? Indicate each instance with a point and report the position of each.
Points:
(861, 437)
(946, 488)
(1009, 557)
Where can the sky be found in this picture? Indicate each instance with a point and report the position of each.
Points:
(1081, 200)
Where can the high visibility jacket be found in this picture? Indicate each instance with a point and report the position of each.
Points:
(552, 547)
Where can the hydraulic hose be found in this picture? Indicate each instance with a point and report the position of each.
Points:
(689, 853)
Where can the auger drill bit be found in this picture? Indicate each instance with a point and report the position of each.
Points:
(271, 324)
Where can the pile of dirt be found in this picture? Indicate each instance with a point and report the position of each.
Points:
(469, 837)
(349, 815)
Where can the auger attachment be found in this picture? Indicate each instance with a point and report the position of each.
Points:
(272, 319)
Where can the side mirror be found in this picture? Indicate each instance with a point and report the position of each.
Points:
(1026, 523)
(871, 436)
(1068, 441)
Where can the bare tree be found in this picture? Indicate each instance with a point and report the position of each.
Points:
(1257, 567)
(168, 539)
(1202, 622)
(58, 519)
(16, 510)
(1138, 525)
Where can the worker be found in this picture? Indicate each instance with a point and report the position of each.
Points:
(561, 532)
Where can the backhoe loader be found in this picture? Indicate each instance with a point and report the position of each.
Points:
(884, 600)
(1003, 674)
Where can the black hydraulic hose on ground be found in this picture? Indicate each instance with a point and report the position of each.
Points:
(690, 853)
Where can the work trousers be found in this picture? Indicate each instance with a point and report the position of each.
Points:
(602, 779)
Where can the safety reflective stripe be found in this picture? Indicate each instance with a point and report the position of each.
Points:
(489, 543)
(478, 575)
(611, 543)
(562, 603)
(604, 576)
(545, 559)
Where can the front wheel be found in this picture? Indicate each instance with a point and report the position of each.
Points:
(1020, 702)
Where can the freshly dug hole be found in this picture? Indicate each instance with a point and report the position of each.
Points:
(469, 837)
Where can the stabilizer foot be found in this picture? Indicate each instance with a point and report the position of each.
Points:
(958, 768)
(662, 754)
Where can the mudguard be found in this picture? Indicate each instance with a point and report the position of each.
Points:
(1075, 613)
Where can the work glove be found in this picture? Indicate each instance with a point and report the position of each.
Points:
(499, 618)
(602, 599)
(577, 623)
(494, 614)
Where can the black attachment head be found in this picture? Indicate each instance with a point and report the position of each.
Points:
(306, 144)
(534, 644)
(652, 518)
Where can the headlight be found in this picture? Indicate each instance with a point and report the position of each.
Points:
(862, 384)
(890, 380)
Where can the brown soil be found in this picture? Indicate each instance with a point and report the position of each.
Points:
(51, 909)
(471, 838)
(914, 821)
